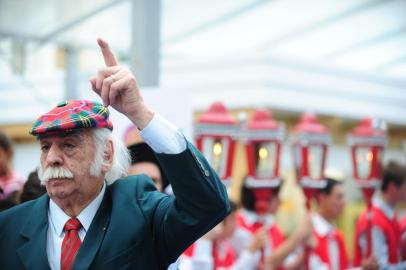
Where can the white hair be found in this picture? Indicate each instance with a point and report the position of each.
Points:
(121, 157)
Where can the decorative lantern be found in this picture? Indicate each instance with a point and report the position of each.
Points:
(367, 142)
(262, 137)
(310, 142)
(215, 134)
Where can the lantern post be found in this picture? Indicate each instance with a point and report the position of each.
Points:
(310, 143)
(216, 133)
(367, 142)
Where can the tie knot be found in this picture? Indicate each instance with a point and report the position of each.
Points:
(72, 224)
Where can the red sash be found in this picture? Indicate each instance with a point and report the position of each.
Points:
(322, 248)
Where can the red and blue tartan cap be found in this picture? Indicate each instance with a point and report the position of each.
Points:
(70, 116)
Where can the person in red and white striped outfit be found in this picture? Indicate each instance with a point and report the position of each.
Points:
(330, 251)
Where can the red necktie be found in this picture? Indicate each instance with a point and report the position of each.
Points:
(71, 243)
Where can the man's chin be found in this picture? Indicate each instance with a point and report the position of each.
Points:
(58, 187)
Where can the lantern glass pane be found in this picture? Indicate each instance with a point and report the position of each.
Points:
(265, 159)
(215, 151)
(315, 160)
(364, 161)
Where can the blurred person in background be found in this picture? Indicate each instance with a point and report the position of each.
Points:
(11, 182)
(212, 251)
(143, 160)
(215, 251)
(32, 188)
(386, 231)
(329, 241)
(277, 252)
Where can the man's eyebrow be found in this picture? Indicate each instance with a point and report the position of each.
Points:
(74, 134)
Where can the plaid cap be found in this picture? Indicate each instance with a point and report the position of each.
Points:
(72, 115)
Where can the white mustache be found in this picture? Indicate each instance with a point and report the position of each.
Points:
(53, 173)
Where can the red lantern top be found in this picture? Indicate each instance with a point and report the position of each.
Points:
(262, 119)
(263, 127)
(217, 114)
(217, 121)
(309, 130)
(310, 124)
(369, 132)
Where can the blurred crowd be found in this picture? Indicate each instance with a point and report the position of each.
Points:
(250, 238)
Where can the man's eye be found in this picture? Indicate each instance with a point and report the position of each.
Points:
(68, 146)
(44, 148)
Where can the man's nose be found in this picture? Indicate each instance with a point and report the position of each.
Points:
(54, 156)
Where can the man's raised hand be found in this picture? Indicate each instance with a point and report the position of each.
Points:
(117, 87)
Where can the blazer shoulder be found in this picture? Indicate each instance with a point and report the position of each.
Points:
(13, 218)
(133, 183)
(131, 189)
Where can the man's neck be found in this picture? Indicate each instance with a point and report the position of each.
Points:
(324, 214)
(386, 198)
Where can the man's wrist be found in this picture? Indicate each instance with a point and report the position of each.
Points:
(141, 117)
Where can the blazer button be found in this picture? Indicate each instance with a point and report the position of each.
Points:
(206, 172)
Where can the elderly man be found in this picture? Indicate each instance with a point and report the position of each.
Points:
(90, 220)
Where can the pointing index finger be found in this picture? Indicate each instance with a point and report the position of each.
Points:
(109, 58)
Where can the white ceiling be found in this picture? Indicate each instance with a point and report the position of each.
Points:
(320, 55)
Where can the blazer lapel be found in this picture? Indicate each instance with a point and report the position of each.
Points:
(94, 237)
(33, 252)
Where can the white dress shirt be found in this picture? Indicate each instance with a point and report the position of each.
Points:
(57, 219)
(161, 135)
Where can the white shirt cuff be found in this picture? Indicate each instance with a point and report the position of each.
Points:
(163, 137)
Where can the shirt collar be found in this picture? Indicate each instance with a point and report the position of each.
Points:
(383, 206)
(58, 217)
(321, 225)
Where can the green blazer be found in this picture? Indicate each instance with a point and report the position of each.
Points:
(136, 227)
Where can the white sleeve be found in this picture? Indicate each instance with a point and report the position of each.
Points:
(163, 137)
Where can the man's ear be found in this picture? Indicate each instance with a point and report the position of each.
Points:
(108, 156)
